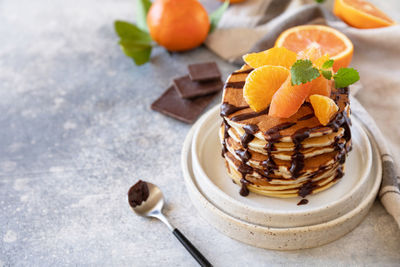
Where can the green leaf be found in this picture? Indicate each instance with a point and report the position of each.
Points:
(327, 74)
(345, 76)
(328, 64)
(215, 16)
(303, 71)
(126, 30)
(139, 52)
(320, 1)
(142, 7)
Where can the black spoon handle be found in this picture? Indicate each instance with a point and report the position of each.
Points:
(192, 249)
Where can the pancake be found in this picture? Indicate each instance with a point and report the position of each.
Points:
(278, 157)
(259, 144)
(306, 187)
(325, 145)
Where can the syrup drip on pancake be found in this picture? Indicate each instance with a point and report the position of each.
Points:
(297, 129)
(250, 115)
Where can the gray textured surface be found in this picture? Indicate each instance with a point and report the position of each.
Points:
(77, 131)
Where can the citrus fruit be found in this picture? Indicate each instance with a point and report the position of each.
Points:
(178, 25)
(261, 84)
(233, 1)
(277, 56)
(288, 99)
(330, 41)
(324, 108)
(361, 14)
(320, 85)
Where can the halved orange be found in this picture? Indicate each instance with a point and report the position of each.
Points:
(330, 41)
(261, 84)
(277, 56)
(361, 14)
(288, 99)
(324, 108)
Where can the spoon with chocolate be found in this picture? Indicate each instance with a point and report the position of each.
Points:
(146, 199)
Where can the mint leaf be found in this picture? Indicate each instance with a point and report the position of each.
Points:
(303, 71)
(320, 1)
(142, 7)
(345, 76)
(215, 16)
(126, 30)
(327, 74)
(328, 64)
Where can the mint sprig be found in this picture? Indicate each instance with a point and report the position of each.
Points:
(328, 64)
(303, 71)
(345, 76)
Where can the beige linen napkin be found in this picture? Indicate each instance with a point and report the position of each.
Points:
(256, 25)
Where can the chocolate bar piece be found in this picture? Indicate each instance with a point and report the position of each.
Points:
(186, 110)
(186, 88)
(201, 72)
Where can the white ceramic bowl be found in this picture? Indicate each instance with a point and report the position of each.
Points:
(279, 238)
(216, 185)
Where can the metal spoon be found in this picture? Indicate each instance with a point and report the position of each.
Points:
(146, 199)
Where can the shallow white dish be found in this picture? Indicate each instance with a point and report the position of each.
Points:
(279, 238)
(216, 184)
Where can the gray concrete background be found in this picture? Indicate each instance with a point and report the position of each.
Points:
(77, 131)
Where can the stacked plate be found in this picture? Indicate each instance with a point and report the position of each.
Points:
(276, 223)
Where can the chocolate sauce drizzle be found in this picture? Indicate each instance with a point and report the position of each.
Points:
(306, 117)
(273, 136)
(302, 202)
(235, 85)
(228, 109)
(243, 71)
(250, 115)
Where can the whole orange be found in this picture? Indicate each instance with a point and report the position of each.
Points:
(233, 1)
(178, 25)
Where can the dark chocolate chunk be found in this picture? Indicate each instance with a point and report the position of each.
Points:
(204, 72)
(186, 88)
(138, 193)
(186, 110)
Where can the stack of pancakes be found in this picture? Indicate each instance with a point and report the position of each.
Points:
(279, 157)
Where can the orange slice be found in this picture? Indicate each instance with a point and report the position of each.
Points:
(288, 99)
(324, 108)
(361, 14)
(261, 84)
(330, 41)
(277, 56)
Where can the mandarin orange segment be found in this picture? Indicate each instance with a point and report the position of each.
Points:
(277, 56)
(320, 85)
(361, 14)
(261, 84)
(288, 99)
(324, 108)
(330, 41)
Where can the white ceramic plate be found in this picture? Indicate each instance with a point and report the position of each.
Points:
(216, 184)
(279, 238)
